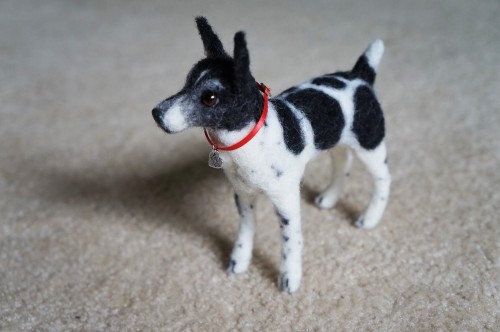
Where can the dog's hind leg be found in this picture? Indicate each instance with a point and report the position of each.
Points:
(376, 162)
(242, 250)
(341, 162)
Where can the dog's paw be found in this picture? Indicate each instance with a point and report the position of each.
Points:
(237, 267)
(288, 283)
(365, 223)
(360, 222)
(326, 200)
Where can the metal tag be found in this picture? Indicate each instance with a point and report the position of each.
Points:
(214, 160)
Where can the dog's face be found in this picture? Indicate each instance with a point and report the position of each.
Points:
(219, 93)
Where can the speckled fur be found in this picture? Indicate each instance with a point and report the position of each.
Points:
(327, 112)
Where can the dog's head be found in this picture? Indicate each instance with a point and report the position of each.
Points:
(219, 93)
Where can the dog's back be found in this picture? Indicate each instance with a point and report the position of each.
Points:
(341, 107)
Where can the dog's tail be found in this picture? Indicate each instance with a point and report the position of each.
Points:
(366, 66)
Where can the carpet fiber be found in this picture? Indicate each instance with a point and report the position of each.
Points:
(108, 224)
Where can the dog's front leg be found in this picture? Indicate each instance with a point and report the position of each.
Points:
(242, 250)
(287, 204)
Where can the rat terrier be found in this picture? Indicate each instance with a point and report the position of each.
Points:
(264, 145)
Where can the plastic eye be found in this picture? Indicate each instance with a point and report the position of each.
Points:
(208, 98)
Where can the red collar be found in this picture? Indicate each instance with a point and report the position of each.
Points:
(267, 92)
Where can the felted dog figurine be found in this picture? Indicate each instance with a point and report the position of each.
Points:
(264, 145)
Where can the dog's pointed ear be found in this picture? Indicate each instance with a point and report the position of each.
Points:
(241, 61)
(211, 43)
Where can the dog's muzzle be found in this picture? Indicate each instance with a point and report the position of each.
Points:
(158, 114)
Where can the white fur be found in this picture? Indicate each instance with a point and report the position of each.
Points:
(242, 250)
(174, 118)
(341, 160)
(374, 53)
(203, 73)
(374, 161)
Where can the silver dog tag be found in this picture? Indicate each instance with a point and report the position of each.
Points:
(214, 159)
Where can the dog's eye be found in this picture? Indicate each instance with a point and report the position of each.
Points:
(208, 98)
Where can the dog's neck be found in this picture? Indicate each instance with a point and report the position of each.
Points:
(254, 111)
(251, 110)
(240, 136)
(223, 137)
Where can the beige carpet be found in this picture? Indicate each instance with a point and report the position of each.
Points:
(108, 224)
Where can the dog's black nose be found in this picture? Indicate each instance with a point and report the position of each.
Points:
(157, 115)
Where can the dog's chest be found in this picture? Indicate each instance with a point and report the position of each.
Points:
(265, 162)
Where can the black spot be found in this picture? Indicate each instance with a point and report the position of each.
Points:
(363, 70)
(347, 174)
(232, 264)
(329, 81)
(284, 221)
(368, 125)
(78, 316)
(284, 257)
(320, 199)
(238, 204)
(277, 171)
(240, 245)
(385, 161)
(251, 206)
(323, 112)
(284, 283)
(286, 238)
(265, 123)
(292, 133)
